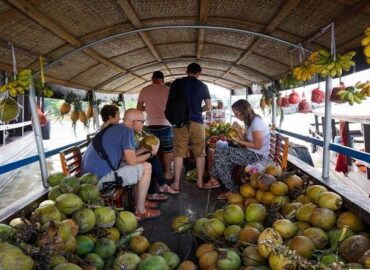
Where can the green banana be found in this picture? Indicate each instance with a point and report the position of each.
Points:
(356, 99)
(324, 53)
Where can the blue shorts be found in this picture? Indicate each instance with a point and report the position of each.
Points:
(165, 135)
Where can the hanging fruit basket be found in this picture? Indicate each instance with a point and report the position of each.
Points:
(285, 102)
(304, 106)
(294, 98)
(317, 96)
(335, 97)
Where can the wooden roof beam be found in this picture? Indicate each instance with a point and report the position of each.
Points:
(287, 8)
(49, 79)
(204, 7)
(126, 7)
(29, 10)
(341, 19)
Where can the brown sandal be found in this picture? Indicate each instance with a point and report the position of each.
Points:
(148, 214)
(149, 204)
(213, 183)
(156, 197)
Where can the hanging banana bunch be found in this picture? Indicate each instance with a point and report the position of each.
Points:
(365, 42)
(19, 85)
(305, 71)
(43, 88)
(364, 88)
(350, 95)
(290, 81)
(325, 65)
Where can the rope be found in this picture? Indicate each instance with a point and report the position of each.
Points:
(14, 62)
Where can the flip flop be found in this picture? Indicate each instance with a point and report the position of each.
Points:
(223, 196)
(149, 204)
(175, 189)
(148, 214)
(156, 197)
(211, 184)
(168, 190)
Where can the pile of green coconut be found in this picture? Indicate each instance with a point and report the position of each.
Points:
(74, 230)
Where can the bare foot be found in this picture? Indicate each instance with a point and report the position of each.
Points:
(175, 187)
(168, 176)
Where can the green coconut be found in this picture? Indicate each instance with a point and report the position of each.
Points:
(85, 219)
(55, 178)
(172, 259)
(127, 261)
(105, 247)
(148, 141)
(105, 217)
(67, 266)
(198, 225)
(45, 213)
(228, 260)
(95, 260)
(84, 245)
(6, 232)
(54, 192)
(8, 109)
(55, 260)
(158, 248)
(69, 184)
(126, 222)
(68, 203)
(88, 178)
(233, 214)
(89, 193)
(153, 262)
(13, 257)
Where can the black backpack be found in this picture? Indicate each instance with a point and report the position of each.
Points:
(177, 109)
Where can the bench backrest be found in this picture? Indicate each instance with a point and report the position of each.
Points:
(279, 147)
(71, 159)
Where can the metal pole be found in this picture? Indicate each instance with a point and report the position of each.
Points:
(95, 111)
(123, 103)
(38, 136)
(273, 112)
(327, 124)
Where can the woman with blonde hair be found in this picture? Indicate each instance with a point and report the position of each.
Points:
(253, 146)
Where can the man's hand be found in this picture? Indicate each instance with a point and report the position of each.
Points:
(155, 148)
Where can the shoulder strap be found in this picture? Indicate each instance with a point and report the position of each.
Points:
(97, 143)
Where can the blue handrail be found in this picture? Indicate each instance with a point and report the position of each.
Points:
(363, 156)
(28, 160)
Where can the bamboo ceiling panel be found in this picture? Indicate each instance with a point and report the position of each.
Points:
(58, 52)
(131, 84)
(106, 32)
(95, 75)
(176, 50)
(229, 39)
(164, 8)
(250, 75)
(213, 72)
(170, 20)
(120, 46)
(274, 50)
(179, 71)
(210, 63)
(182, 63)
(173, 36)
(82, 17)
(119, 81)
(149, 68)
(134, 58)
(264, 65)
(26, 33)
(261, 11)
(243, 23)
(23, 60)
(71, 66)
(225, 82)
(310, 16)
(237, 79)
(221, 52)
(4, 7)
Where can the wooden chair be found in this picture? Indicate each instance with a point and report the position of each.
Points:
(71, 160)
(279, 147)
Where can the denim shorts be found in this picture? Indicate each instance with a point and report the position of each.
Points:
(165, 135)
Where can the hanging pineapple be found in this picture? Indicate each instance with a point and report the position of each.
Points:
(83, 118)
(66, 105)
(75, 114)
(90, 111)
(116, 102)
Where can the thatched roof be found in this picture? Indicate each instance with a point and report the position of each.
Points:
(230, 59)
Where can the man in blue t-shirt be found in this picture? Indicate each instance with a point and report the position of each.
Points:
(195, 93)
(119, 144)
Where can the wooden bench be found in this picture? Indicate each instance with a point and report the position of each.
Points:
(71, 159)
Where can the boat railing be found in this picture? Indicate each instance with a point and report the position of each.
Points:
(5, 127)
(28, 160)
(360, 155)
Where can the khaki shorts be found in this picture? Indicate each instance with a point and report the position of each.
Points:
(130, 175)
(194, 133)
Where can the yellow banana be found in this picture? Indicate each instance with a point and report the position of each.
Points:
(356, 99)
(13, 92)
(324, 53)
(330, 65)
(333, 72)
(367, 51)
(25, 72)
(365, 41)
(3, 88)
(367, 31)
